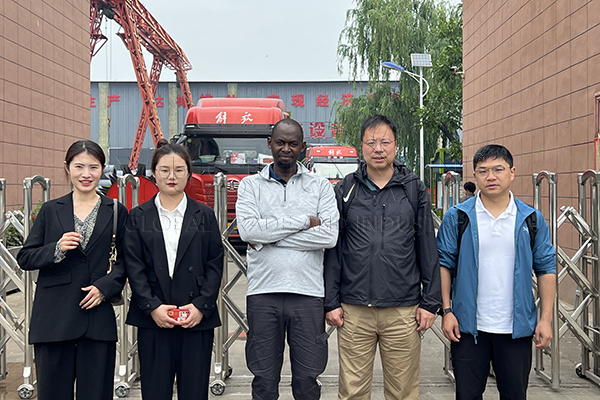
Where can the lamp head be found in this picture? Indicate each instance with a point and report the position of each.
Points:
(391, 65)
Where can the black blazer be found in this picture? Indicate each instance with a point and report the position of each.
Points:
(56, 314)
(198, 266)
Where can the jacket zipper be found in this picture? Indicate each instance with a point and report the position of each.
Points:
(383, 226)
(371, 270)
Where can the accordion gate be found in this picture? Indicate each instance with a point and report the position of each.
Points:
(583, 320)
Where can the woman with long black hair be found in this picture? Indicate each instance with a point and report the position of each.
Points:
(73, 326)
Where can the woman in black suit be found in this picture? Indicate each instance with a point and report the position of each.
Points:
(174, 259)
(73, 327)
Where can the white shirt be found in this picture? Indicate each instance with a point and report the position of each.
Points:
(171, 222)
(496, 268)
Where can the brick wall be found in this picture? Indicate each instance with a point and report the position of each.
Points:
(44, 90)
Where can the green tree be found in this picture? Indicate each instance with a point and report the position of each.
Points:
(390, 30)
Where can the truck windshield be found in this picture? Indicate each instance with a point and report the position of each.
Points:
(228, 151)
(334, 170)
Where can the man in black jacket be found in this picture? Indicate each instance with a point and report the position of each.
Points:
(382, 280)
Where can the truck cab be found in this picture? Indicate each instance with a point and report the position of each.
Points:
(331, 161)
(228, 135)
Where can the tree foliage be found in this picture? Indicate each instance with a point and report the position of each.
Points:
(390, 30)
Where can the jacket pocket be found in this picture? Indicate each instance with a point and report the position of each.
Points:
(56, 280)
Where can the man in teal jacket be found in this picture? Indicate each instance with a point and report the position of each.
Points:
(489, 311)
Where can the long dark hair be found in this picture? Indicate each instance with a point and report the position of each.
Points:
(163, 147)
(85, 146)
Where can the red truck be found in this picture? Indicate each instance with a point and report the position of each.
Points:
(228, 135)
(331, 161)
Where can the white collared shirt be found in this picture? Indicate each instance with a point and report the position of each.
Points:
(496, 268)
(171, 223)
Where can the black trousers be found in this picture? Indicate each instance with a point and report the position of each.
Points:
(270, 318)
(511, 359)
(88, 363)
(166, 353)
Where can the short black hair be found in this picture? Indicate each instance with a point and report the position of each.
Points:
(290, 122)
(469, 187)
(492, 151)
(376, 120)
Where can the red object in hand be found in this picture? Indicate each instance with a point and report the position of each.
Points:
(178, 314)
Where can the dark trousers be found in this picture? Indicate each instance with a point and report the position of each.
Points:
(511, 359)
(88, 363)
(166, 353)
(270, 318)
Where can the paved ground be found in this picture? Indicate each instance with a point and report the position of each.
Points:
(434, 383)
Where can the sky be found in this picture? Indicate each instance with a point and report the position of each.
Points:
(239, 40)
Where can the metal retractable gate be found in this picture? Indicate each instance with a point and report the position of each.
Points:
(554, 349)
(577, 267)
(128, 362)
(14, 326)
(450, 184)
(225, 303)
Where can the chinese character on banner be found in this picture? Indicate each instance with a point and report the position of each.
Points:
(322, 100)
(206, 96)
(273, 96)
(92, 101)
(298, 100)
(159, 101)
(347, 99)
(317, 130)
(180, 101)
(336, 128)
(246, 117)
(231, 95)
(221, 118)
(113, 97)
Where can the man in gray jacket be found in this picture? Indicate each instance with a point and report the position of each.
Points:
(288, 216)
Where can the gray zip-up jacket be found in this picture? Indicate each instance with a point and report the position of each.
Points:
(286, 255)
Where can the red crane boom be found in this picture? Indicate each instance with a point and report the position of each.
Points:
(141, 28)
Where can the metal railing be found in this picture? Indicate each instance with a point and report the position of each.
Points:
(554, 349)
(225, 303)
(129, 368)
(13, 326)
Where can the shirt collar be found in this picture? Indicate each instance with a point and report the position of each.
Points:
(510, 210)
(181, 207)
(274, 175)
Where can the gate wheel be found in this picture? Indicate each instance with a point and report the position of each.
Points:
(217, 388)
(25, 391)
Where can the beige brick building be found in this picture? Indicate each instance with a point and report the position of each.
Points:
(44, 89)
(532, 80)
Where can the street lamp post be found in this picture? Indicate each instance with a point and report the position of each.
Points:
(417, 60)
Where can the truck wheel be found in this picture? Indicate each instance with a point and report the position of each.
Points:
(579, 371)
